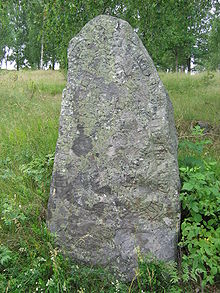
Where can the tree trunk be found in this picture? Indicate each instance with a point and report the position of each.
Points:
(17, 63)
(189, 64)
(53, 58)
(42, 43)
(42, 53)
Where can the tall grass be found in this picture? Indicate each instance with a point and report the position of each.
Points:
(28, 129)
(194, 97)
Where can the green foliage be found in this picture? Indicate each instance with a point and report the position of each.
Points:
(174, 32)
(12, 215)
(33, 266)
(39, 171)
(213, 44)
(193, 149)
(5, 30)
(200, 196)
(5, 255)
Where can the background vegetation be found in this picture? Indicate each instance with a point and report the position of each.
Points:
(176, 33)
(29, 259)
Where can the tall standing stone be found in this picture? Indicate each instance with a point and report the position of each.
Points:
(115, 180)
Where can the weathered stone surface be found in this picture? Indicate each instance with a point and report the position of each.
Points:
(115, 179)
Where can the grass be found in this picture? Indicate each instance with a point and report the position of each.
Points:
(194, 97)
(29, 120)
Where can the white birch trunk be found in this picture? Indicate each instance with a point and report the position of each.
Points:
(42, 53)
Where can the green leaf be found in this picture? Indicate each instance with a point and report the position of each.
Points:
(211, 222)
(197, 218)
(4, 259)
(214, 271)
(200, 176)
(187, 186)
(194, 207)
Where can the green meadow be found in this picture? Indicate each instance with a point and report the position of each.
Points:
(30, 104)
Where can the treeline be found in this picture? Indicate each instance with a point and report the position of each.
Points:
(175, 32)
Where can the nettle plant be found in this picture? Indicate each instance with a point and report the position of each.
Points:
(200, 199)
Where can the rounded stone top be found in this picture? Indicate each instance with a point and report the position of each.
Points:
(103, 22)
(106, 18)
